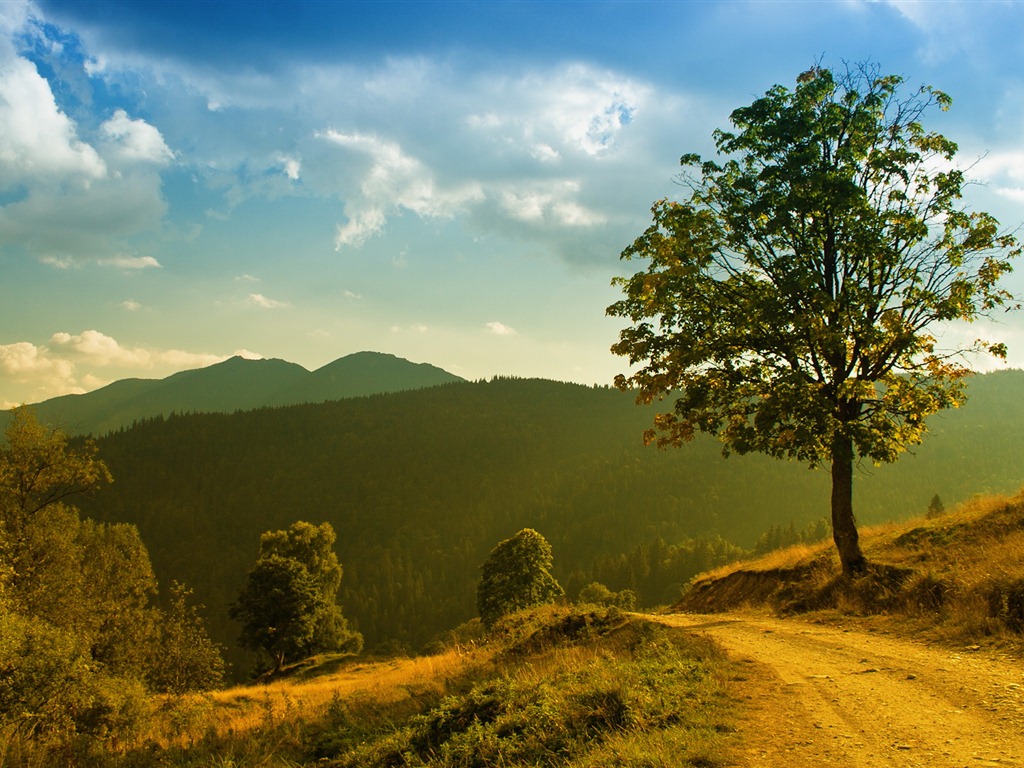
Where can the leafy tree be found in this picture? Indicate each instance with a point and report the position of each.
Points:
(185, 657)
(596, 593)
(288, 608)
(71, 577)
(790, 301)
(278, 609)
(38, 467)
(516, 575)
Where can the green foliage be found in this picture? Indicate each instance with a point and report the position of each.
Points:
(596, 593)
(656, 571)
(788, 302)
(79, 634)
(419, 487)
(600, 694)
(516, 575)
(935, 506)
(185, 658)
(288, 608)
(52, 694)
(779, 537)
(38, 468)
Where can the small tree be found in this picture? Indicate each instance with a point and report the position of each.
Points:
(935, 507)
(597, 593)
(789, 302)
(186, 659)
(516, 575)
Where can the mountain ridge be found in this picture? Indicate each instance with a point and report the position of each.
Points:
(235, 384)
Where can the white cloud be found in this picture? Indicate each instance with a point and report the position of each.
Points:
(351, 294)
(259, 300)
(131, 305)
(500, 329)
(25, 363)
(68, 364)
(291, 166)
(1003, 172)
(122, 261)
(548, 202)
(394, 182)
(58, 262)
(576, 108)
(38, 142)
(135, 140)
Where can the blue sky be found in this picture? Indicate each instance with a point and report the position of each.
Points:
(449, 182)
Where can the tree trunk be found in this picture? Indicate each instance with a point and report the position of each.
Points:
(844, 527)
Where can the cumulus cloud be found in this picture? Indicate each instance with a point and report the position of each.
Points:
(259, 300)
(131, 305)
(38, 142)
(69, 364)
(500, 329)
(25, 363)
(135, 140)
(395, 181)
(76, 194)
(577, 108)
(549, 202)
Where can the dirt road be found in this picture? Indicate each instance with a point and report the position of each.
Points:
(822, 695)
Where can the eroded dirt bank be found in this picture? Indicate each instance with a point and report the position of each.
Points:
(822, 695)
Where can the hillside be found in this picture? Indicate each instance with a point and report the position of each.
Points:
(237, 384)
(420, 485)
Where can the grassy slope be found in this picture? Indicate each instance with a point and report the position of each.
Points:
(558, 686)
(957, 577)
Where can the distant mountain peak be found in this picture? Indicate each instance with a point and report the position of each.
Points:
(237, 384)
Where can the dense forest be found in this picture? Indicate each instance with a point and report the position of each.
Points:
(420, 485)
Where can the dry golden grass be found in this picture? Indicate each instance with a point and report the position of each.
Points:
(958, 576)
(307, 695)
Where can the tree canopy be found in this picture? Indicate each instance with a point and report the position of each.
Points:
(516, 575)
(288, 608)
(791, 302)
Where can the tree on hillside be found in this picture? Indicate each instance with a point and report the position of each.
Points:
(516, 575)
(791, 301)
(38, 468)
(288, 607)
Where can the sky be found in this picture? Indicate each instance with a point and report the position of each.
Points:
(449, 182)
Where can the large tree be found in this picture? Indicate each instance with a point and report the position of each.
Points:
(791, 300)
(288, 608)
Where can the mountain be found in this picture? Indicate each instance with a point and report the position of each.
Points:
(236, 384)
(420, 485)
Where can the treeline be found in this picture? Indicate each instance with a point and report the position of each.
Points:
(419, 486)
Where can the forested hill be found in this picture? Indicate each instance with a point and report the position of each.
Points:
(420, 485)
(237, 384)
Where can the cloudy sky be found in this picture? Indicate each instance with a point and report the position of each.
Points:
(450, 182)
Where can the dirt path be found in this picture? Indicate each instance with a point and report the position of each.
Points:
(823, 695)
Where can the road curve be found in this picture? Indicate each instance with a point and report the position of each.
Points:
(821, 695)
